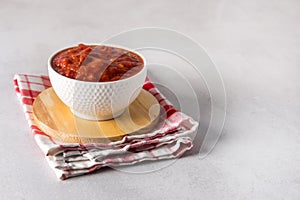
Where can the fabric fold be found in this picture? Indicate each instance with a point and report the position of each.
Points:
(169, 139)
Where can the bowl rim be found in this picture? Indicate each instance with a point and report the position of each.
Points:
(98, 82)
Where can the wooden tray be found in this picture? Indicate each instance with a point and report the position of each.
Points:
(55, 119)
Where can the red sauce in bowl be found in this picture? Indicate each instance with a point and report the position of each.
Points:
(97, 63)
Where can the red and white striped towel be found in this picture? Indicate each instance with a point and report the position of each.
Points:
(171, 140)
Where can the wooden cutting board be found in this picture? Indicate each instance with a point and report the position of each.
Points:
(55, 119)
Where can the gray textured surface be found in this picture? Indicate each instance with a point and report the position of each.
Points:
(256, 45)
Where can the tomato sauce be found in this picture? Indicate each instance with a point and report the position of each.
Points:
(97, 63)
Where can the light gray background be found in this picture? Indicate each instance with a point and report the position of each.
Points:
(254, 43)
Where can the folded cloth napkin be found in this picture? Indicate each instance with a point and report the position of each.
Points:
(170, 140)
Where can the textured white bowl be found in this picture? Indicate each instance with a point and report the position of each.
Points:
(97, 100)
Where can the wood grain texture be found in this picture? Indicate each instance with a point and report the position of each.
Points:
(55, 118)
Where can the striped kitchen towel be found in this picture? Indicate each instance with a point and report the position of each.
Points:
(67, 160)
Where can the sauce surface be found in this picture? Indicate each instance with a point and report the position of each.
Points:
(97, 63)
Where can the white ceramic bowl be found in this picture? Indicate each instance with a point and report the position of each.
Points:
(97, 100)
